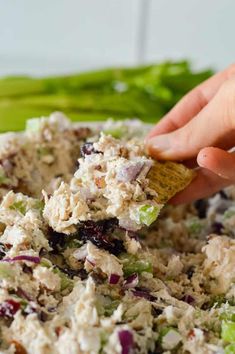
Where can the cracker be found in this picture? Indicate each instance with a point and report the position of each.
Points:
(168, 178)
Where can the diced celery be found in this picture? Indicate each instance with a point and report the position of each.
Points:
(3, 178)
(229, 213)
(103, 339)
(117, 132)
(44, 151)
(74, 243)
(33, 125)
(169, 338)
(164, 331)
(229, 313)
(45, 263)
(105, 305)
(194, 226)
(230, 349)
(39, 205)
(66, 283)
(109, 310)
(19, 206)
(133, 265)
(218, 300)
(6, 271)
(228, 331)
(148, 214)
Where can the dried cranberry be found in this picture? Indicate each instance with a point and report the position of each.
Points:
(188, 298)
(98, 277)
(42, 252)
(144, 293)
(43, 316)
(77, 164)
(201, 205)
(21, 293)
(9, 308)
(110, 224)
(117, 248)
(81, 273)
(2, 252)
(223, 195)
(206, 306)
(217, 228)
(27, 269)
(190, 272)
(87, 149)
(156, 312)
(91, 229)
(97, 233)
(57, 241)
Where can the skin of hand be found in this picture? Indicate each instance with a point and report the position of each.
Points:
(200, 130)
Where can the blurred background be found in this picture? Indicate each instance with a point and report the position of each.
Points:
(64, 37)
(61, 36)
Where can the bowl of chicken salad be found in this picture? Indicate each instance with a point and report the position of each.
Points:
(91, 262)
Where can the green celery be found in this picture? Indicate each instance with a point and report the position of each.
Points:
(132, 264)
(148, 214)
(19, 206)
(228, 331)
(230, 349)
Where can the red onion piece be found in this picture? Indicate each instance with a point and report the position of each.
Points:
(130, 171)
(126, 341)
(146, 168)
(114, 279)
(9, 308)
(81, 253)
(127, 224)
(131, 281)
(21, 293)
(22, 258)
(90, 261)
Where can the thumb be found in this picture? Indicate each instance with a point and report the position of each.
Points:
(207, 128)
(217, 170)
(218, 161)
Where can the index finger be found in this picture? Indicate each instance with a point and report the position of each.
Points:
(204, 185)
(192, 103)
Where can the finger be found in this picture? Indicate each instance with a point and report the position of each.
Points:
(204, 185)
(192, 103)
(219, 172)
(208, 128)
(218, 161)
(181, 113)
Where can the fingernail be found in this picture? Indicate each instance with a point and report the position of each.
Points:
(222, 175)
(159, 144)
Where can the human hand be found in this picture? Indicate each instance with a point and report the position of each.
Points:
(200, 129)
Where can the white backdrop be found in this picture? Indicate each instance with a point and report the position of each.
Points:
(62, 36)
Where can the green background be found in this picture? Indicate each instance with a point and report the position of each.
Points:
(146, 92)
